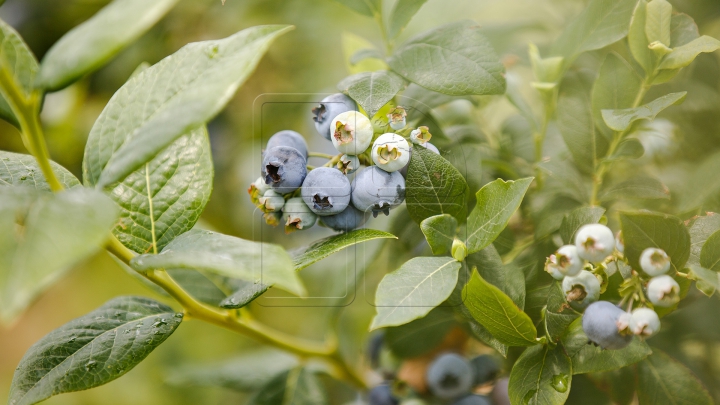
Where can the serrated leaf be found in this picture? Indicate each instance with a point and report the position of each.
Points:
(332, 244)
(497, 201)
(170, 99)
(494, 310)
(433, 187)
(541, 376)
(640, 187)
(616, 87)
(365, 7)
(244, 295)
(577, 218)
(413, 290)
(44, 235)
(710, 253)
(17, 169)
(588, 358)
(621, 120)
(421, 335)
(18, 59)
(558, 314)
(91, 44)
(686, 54)
(439, 231)
(227, 256)
(402, 12)
(93, 349)
(645, 229)
(298, 386)
(372, 90)
(657, 24)
(700, 230)
(454, 59)
(662, 380)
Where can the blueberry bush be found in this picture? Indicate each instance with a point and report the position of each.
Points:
(536, 217)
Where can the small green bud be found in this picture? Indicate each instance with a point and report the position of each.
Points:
(459, 250)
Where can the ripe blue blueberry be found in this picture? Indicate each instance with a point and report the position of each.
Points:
(473, 400)
(605, 325)
(284, 169)
(391, 152)
(654, 261)
(352, 132)
(297, 215)
(485, 367)
(377, 190)
(566, 261)
(351, 218)
(289, 138)
(382, 395)
(581, 290)
(397, 118)
(420, 136)
(348, 164)
(326, 191)
(644, 322)
(449, 376)
(500, 393)
(594, 242)
(663, 291)
(329, 108)
(271, 201)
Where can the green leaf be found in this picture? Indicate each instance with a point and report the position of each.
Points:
(365, 53)
(657, 23)
(700, 230)
(93, 349)
(421, 335)
(365, 7)
(227, 256)
(422, 100)
(615, 88)
(699, 273)
(577, 218)
(588, 358)
(602, 23)
(433, 187)
(454, 59)
(439, 231)
(372, 90)
(171, 98)
(480, 333)
(325, 247)
(247, 371)
(19, 61)
(683, 30)
(541, 376)
(645, 229)
(621, 120)
(17, 169)
(685, 54)
(497, 201)
(402, 12)
(44, 235)
(208, 288)
(710, 253)
(662, 380)
(244, 295)
(498, 313)
(352, 45)
(298, 386)
(558, 314)
(629, 148)
(413, 290)
(638, 187)
(91, 44)
(638, 40)
(508, 278)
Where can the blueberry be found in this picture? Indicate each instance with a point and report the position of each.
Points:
(663, 291)
(485, 367)
(420, 136)
(351, 218)
(594, 242)
(271, 201)
(273, 218)
(257, 190)
(644, 322)
(619, 242)
(654, 261)
(348, 164)
(297, 215)
(602, 322)
(397, 118)
(382, 395)
(473, 400)
(552, 269)
(377, 190)
(391, 152)
(375, 344)
(500, 394)
(329, 108)
(326, 191)
(352, 133)
(581, 290)
(284, 169)
(429, 147)
(289, 138)
(566, 261)
(449, 376)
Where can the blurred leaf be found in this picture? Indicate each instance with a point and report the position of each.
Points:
(497, 201)
(17, 169)
(245, 372)
(662, 380)
(584, 392)
(372, 90)
(366, 53)
(325, 247)
(645, 229)
(639, 187)
(588, 358)
(227, 256)
(365, 7)
(207, 288)
(616, 87)
(558, 314)
(244, 295)
(433, 187)
(683, 30)
(439, 231)
(515, 96)
(19, 61)
(184, 90)
(710, 253)
(420, 101)
(91, 44)
(577, 218)
(621, 120)
(454, 59)
(618, 384)
(480, 333)
(541, 376)
(699, 273)
(298, 386)
(44, 235)
(353, 44)
(685, 54)
(509, 279)
(700, 230)
(657, 25)
(92, 350)
(629, 148)
(421, 335)
(402, 12)
(413, 290)
(638, 40)
(498, 313)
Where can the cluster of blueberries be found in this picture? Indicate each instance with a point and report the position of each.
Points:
(604, 323)
(291, 191)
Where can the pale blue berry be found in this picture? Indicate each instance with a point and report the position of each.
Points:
(391, 152)
(594, 242)
(654, 261)
(348, 164)
(377, 190)
(257, 189)
(382, 395)
(449, 376)
(567, 261)
(397, 118)
(500, 393)
(291, 139)
(644, 322)
(272, 201)
(329, 108)
(284, 169)
(473, 400)
(352, 133)
(297, 215)
(326, 191)
(351, 218)
(581, 290)
(663, 291)
(604, 325)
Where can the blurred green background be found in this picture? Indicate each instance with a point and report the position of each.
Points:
(310, 59)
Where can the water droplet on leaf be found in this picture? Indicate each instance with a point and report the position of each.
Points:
(90, 365)
(560, 383)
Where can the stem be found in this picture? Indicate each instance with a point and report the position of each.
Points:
(550, 103)
(26, 109)
(320, 155)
